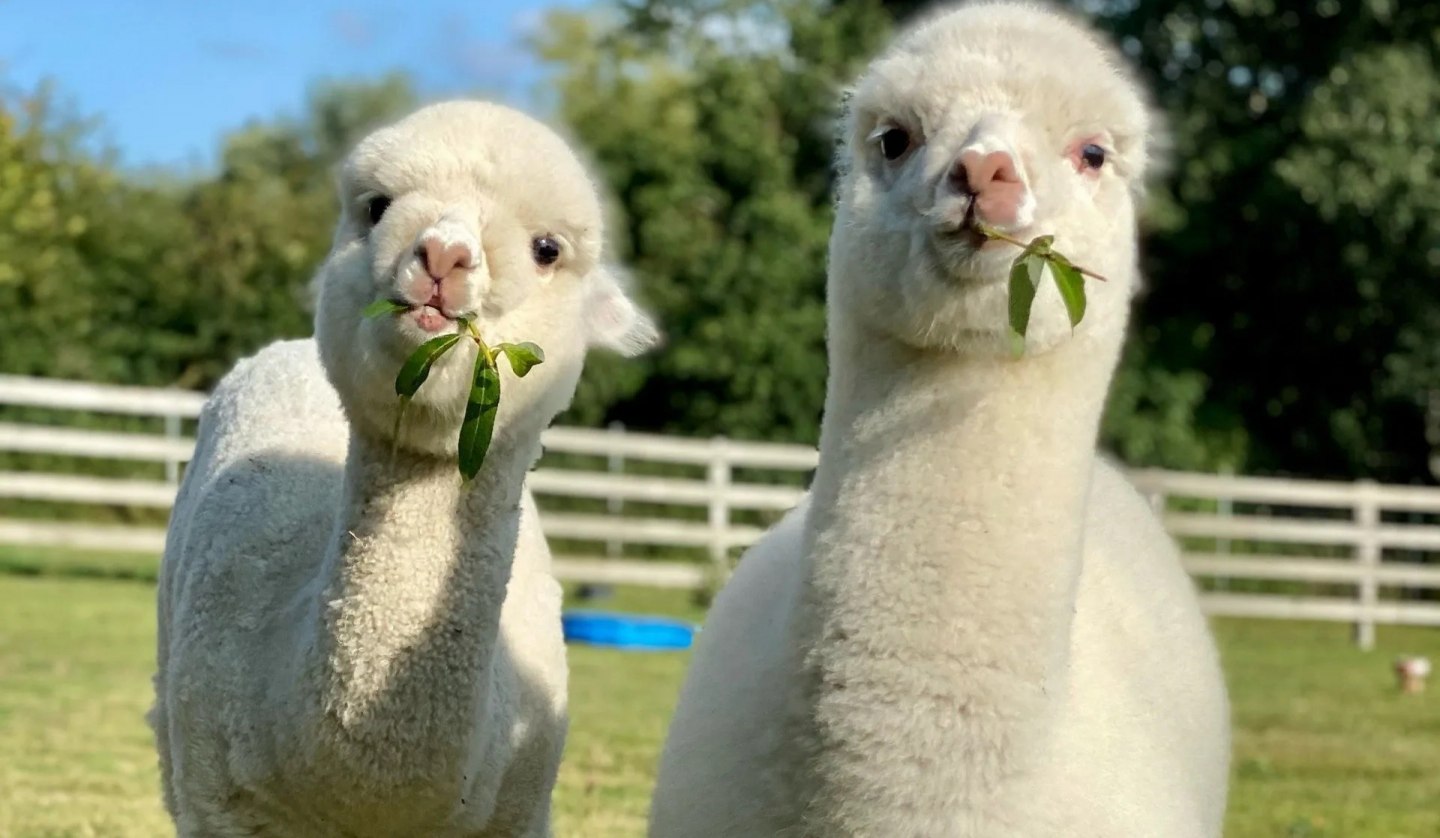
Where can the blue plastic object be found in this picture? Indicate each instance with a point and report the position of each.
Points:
(626, 631)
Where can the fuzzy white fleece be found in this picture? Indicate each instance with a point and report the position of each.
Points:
(973, 628)
(351, 641)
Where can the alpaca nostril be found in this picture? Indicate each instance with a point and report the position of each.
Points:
(960, 179)
(441, 259)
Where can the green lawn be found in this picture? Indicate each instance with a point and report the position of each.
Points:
(1324, 744)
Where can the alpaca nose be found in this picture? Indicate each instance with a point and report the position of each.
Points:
(993, 180)
(442, 258)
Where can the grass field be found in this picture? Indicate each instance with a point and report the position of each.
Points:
(1325, 747)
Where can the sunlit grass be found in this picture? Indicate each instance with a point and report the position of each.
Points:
(1325, 747)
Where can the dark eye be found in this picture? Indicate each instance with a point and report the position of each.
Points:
(546, 250)
(375, 208)
(1092, 156)
(894, 143)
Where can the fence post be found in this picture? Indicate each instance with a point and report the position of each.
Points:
(1367, 555)
(1225, 509)
(172, 432)
(614, 505)
(718, 478)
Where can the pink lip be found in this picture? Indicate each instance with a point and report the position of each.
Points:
(431, 319)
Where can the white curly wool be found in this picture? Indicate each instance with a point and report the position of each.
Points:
(973, 627)
(353, 643)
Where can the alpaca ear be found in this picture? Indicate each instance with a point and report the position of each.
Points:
(613, 319)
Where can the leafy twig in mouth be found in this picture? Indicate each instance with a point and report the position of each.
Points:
(483, 402)
(1027, 271)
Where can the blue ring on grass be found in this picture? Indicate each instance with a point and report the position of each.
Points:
(626, 631)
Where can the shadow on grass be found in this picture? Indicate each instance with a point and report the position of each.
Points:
(66, 565)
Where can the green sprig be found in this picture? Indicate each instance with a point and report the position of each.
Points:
(483, 402)
(1026, 273)
(382, 307)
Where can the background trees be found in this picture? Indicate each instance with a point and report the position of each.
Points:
(1296, 244)
(1290, 324)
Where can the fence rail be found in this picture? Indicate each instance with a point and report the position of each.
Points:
(619, 506)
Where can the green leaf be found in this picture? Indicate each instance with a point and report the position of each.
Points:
(1040, 245)
(480, 410)
(382, 307)
(1072, 288)
(1025, 276)
(522, 356)
(399, 426)
(417, 366)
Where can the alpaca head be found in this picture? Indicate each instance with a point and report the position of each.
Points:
(467, 210)
(1003, 113)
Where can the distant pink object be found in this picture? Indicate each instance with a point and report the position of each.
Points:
(1412, 673)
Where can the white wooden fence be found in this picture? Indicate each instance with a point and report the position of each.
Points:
(1360, 553)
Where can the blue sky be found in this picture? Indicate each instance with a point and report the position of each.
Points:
(168, 77)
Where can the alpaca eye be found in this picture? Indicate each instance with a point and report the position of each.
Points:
(546, 250)
(375, 208)
(1092, 156)
(894, 142)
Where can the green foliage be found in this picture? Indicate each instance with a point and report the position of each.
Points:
(480, 410)
(483, 402)
(523, 356)
(1289, 321)
(712, 123)
(1026, 273)
(68, 227)
(417, 367)
(1071, 286)
(165, 283)
(1158, 416)
(382, 307)
(1294, 245)
(1025, 276)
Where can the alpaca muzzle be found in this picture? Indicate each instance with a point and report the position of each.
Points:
(443, 260)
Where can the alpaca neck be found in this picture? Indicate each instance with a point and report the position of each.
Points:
(944, 549)
(413, 585)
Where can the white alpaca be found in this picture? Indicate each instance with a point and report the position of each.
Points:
(352, 642)
(973, 627)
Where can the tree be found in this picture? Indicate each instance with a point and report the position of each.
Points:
(1289, 323)
(1293, 248)
(258, 230)
(713, 125)
(62, 210)
(109, 278)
